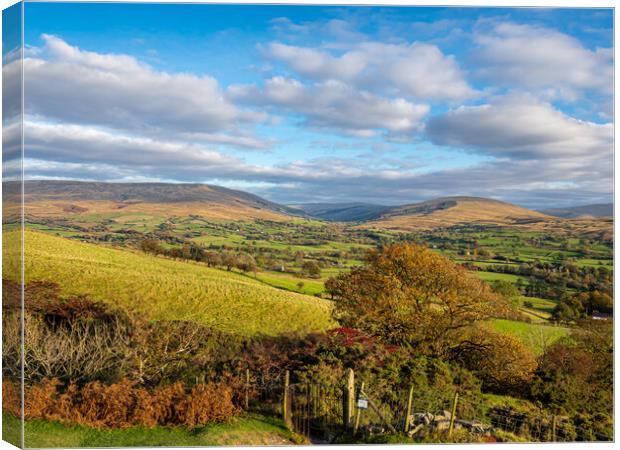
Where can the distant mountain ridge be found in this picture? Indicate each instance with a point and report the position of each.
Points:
(56, 198)
(343, 212)
(594, 210)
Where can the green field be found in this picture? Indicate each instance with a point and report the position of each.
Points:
(290, 282)
(493, 276)
(536, 336)
(162, 288)
(249, 430)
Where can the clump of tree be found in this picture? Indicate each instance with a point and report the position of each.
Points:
(575, 376)
(225, 259)
(572, 308)
(508, 290)
(311, 269)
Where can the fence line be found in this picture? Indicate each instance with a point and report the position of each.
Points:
(325, 412)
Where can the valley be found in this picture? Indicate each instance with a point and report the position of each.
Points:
(493, 239)
(259, 280)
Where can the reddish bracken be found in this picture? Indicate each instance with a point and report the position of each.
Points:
(122, 404)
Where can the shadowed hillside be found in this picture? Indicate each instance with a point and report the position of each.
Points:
(599, 210)
(343, 212)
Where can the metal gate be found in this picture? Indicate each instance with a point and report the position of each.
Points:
(315, 411)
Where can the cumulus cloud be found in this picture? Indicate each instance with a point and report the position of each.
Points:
(66, 143)
(335, 105)
(521, 127)
(416, 70)
(542, 59)
(119, 91)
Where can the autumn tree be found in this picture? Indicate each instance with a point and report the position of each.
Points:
(151, 246)
(246, 262)
(311, 269)
(229, 260)
(212, 258)
(408, 295)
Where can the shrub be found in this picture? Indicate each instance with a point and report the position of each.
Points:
(11, 398)
(122, 404)
(502, 362)
(206, 403)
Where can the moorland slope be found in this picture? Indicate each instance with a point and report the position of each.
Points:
(46, 198)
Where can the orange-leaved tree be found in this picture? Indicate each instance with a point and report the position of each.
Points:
(408, 295)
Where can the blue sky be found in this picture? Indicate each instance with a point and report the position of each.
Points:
(315, 104)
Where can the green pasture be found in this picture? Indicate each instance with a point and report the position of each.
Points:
(249, 430)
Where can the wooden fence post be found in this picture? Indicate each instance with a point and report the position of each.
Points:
(409, 406)
(247, 389)
(553, 425)
(348, 400)
(358, 412)
(285, 402)
(453, 416)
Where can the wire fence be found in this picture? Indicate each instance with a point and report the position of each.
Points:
(320, 412)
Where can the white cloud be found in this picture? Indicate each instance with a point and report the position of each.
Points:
(415, 70)
(70, 143)
(119, 91)
(319, 64)
(542, 59)
(335, 105)
(522, 127)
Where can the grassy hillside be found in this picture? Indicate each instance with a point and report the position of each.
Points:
(249, 430)
(165, 289)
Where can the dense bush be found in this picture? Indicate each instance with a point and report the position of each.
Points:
(123, 404)
(502, 362)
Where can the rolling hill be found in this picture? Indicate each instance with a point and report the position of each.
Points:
(45, 198)
(162, 288)
(598, 210)
(450, 211)
(94, 202)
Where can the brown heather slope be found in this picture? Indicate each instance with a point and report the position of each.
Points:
(451, 211)
(66, 198)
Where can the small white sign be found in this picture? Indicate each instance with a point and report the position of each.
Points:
(362, 403)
